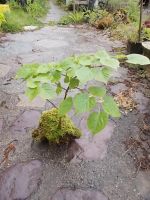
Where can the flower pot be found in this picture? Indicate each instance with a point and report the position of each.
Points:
(134, 47)
(146, 49)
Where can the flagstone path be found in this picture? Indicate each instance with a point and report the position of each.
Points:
(92, 168)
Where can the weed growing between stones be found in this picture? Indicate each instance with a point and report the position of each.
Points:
(73, 74)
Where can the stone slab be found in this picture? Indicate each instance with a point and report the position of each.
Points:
(20, 181)
(4, 69)
(36, 103)
(78, 195)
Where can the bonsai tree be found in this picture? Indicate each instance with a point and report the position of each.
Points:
(59, 79)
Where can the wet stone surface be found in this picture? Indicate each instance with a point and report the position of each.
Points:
(20, 181)
(66, 194)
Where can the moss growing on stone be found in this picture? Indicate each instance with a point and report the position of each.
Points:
(55, 129)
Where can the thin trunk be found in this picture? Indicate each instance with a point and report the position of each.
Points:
(140, 23)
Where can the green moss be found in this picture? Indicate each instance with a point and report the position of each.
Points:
(55, 129)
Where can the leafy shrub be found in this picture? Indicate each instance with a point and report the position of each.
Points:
(14, 5)
(60, 2)
(19, 17)
(96, 14)
(16, 20)
(72, 18)
(105, 22)
(126, 32)
(133, 10)
(146, 34)
(37, 9)
(4, 8)
(46, 81)
(2, 19)
(131, 6)
(49, 128)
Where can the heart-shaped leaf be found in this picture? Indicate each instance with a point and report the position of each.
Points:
(110, 62)
(138, 59)
(47, 91)
(31, 93)
(84, 74)
(110, 106)
(83, 103)
(65, 106)
(97, 91)
(97, 121)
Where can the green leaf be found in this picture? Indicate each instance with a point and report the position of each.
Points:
(56, 75)
(58, 89)
(27, 71)
(97, 91)
(102, 74)
(83, 103)
(47, 91)
(65, 106)
(86, 60)
(110, 106)
(138, 59)
(74, 82)
(110, 62)
(31, 83)
(43, 69)
(97, 121)
(31, 93)
(68, 63)
(43, 78)
(66, 79)
(84, 74)
(102, 54)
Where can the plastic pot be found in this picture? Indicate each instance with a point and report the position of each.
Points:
(134, 47)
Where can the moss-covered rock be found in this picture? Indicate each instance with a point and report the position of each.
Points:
(55, 129)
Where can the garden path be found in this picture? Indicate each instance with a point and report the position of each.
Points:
(103, 169)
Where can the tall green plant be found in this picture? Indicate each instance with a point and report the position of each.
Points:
(58, 79)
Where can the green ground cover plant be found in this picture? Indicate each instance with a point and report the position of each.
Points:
(59, 79)
(18, 17)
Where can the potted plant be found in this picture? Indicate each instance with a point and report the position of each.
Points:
(54, 80)
(134, 44)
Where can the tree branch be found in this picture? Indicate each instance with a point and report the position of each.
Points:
(66, 92)
(52, 103)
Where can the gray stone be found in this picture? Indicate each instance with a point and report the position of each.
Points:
(4, 69)
(54, 14)
(143, 184)
(118, 88)
(51, 44)
(120, 74)
(29, 119)
(146, 48)
(90, 147)
(142, 101)
(1, 125)
(20, 181)
(36, 103)
(66, 194)
(30, 28)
